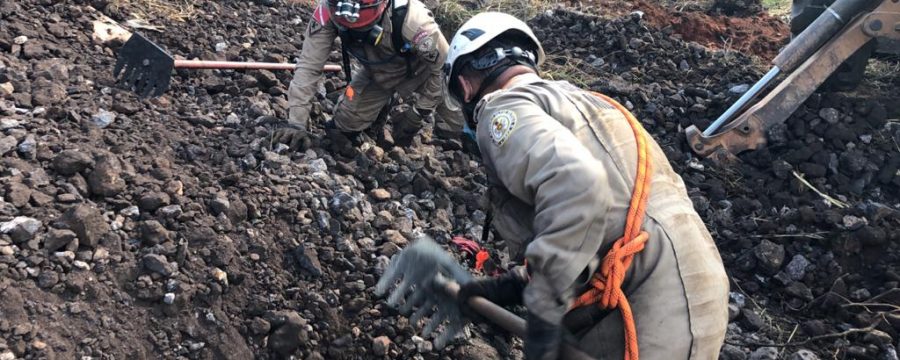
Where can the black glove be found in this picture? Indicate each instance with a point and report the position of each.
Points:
(293, 136)
(407, 123)
(504, 290)
(543, 339)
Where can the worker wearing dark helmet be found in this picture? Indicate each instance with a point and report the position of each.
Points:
(401, 50)
(616, 257)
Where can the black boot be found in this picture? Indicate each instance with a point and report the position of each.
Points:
(342, 142)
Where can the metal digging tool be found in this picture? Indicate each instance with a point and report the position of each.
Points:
(146, 68)
(429, 281)
(809, 60)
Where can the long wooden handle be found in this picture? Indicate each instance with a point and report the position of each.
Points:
(238, 65)
(507, 320)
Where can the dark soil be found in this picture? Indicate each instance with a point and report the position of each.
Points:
(726, 25)
(175, 231)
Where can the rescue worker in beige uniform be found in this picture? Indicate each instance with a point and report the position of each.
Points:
(563, 166)
(401, 50)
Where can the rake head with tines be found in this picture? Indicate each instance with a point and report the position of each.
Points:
(144, 67)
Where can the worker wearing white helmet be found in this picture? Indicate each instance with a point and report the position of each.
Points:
(616, 256)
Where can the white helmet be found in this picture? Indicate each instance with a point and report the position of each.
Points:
(477, 32)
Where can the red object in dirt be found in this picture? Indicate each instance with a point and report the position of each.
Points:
(468, 246)
(481, 258)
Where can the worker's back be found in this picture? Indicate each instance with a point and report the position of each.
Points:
(677, 285)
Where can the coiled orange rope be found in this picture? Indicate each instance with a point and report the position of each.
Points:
(607, 283)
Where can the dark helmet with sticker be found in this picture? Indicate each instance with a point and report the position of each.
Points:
(356, 14)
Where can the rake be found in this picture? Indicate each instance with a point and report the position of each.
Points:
(146, 68)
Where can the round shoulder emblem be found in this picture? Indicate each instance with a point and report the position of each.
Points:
(502, 124)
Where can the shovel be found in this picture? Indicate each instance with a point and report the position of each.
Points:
(146, 68)
(425, 270)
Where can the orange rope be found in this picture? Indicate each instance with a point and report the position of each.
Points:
(607, 283)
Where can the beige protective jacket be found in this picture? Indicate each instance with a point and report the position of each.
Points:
(562, 168)
(428, 45)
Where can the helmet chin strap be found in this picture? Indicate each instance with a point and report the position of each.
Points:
(515, 56)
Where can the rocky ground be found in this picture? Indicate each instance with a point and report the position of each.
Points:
(170, 228)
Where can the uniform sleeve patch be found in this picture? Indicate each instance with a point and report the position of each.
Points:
(503, 122)
(420, 36)
(320, 17)
(425, 46)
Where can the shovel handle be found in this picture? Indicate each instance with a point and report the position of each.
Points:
(507, 320)
(239, 65)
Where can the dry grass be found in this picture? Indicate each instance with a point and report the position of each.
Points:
(778, 8)
(172, 10)
(451, 14)
(883, 74)
(558, 67)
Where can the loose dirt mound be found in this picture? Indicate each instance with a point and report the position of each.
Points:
(748, 32)
(169, 228)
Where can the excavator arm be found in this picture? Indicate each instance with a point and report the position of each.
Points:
(809, 60)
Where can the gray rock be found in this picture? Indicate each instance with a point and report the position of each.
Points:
(751, 320)
(878, 337)
(799, 290)
(342, 202)
(308, 259)
(731, 352)
(804, 354)
(103, 118)
(21, 228)
(171, 211)
(219, 204)
(871, 236)
(58, 239)
(733, 312)
(47, 279)
(782, 169)
(131, 211)
(770, 256)
(18, 194)
(158, 264)
(154, 200)
(6, 124)
(290, 335)
(259, 326)
(830, 115)
(796, 269)
(169, 298)
(381, 345)
(28, 147)
(88, 223)
(152, 232)
(106, 180)
(765, 353)
(739, 89)
(7, 144)
(422, 345)
(70, 162)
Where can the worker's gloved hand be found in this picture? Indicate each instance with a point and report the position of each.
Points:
(293, 136)
(407, 122)
(543, 339)
(504, 290)
(419, 272)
